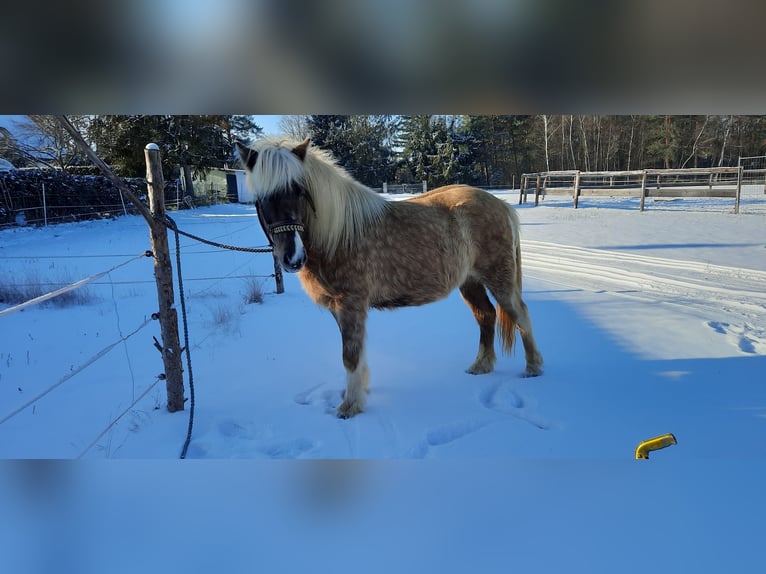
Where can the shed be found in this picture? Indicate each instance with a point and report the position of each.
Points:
(236, 187)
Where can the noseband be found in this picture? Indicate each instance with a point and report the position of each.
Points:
(285, 228)
(272, 229)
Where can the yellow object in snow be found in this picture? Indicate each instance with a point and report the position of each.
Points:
(656, 443)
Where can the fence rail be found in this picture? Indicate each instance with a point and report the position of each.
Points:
(724, 182)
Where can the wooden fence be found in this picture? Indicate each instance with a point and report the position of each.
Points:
(723, 182)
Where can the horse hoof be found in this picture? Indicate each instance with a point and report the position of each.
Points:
(478, 370)
(532, 372)
(348, 410)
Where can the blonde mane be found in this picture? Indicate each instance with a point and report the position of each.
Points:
(345, 209)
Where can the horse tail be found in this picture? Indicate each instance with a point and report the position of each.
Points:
(506, 323)
(506, 329)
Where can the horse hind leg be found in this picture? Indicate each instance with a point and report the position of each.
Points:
(513, 314)
(476, 298)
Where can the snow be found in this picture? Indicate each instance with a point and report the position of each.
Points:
(649, 323)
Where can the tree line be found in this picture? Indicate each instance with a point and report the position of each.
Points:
(190, 145)
(492, 150)
(484, 150)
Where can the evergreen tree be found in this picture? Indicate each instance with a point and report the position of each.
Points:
(504, 147)
(332, 133)
(416, 148)
(192, 144)
(361, 144)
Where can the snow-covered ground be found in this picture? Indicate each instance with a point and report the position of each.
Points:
(649, 323)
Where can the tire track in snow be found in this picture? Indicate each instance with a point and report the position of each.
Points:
(654, 278)
(738, 292)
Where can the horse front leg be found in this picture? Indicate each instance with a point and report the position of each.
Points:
(351, 322)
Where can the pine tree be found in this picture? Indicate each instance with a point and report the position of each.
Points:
(192, 144)
(361, 144)
(418, 148)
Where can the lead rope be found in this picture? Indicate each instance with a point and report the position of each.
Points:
(168, 222)
(172, 225)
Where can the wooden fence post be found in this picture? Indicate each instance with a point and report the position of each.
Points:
(577, 189)
(739, 189)
(522, 189)
(643, 191)
(278, 279)
(537, 190)
(171, 351)
(163, 275)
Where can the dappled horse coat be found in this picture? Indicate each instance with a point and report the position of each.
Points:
(354, 250)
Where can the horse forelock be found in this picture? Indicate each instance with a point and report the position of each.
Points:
(276, 169)
(344, 209)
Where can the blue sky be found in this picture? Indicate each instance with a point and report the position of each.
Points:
(270, 124)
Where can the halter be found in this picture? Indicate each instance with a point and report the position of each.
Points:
(272, 229)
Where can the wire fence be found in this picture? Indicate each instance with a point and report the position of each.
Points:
(99, 279)
(68, 288)
(74, 371)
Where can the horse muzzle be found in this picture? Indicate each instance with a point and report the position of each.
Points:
(293, 263)
(288, 241)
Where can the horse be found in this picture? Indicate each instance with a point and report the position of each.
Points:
(354, 250)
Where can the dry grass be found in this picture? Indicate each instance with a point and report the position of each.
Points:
(253, 291)
(19, 288)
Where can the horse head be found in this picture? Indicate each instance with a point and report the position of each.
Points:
(282, 205)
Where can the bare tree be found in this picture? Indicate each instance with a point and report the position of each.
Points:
(571, 145)
(696, 142)
(630, 141)
(295, 127)
(584, 142)
(545, 137)
(45, 141)
(726, 121)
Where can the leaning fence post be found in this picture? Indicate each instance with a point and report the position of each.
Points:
(163, 275)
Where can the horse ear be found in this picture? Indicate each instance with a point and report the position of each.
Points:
(247, 156)
(300, 149)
